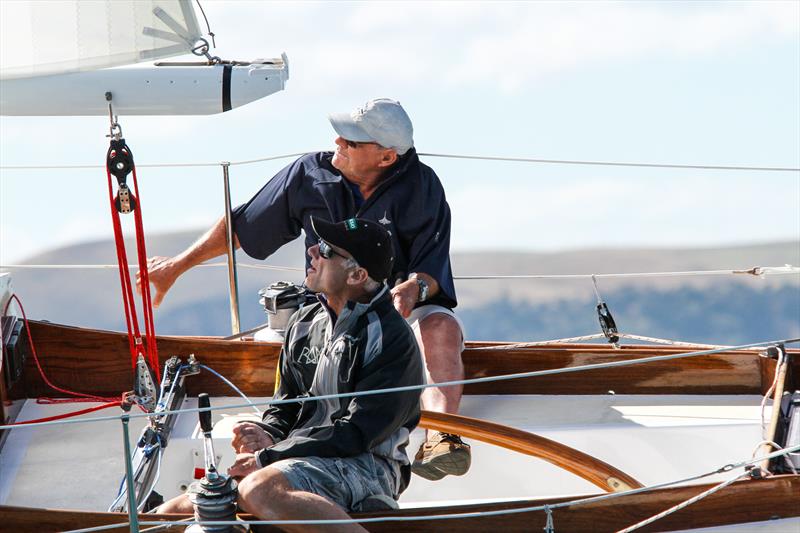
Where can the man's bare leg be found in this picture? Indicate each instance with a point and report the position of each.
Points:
(267, 494)
(178, 504)
(440, 341)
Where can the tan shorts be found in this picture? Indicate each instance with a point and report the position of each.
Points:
(424, 311)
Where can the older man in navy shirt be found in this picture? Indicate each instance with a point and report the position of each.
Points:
(374, 174)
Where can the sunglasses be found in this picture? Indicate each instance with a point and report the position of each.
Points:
(327, 251)
(356, 144)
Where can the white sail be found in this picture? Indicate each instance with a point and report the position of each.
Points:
(41, 37)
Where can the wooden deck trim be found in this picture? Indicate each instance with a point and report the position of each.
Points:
(98, 362)
(741, 502)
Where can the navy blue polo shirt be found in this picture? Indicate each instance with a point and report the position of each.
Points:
(409, 202)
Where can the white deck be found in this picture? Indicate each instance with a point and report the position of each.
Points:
(653, 438)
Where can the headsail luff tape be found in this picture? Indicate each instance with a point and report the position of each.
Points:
(119, 162)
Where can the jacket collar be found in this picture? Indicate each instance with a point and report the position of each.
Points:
(353, 310)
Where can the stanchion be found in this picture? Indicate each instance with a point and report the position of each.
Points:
(133, 512)
(233, 281)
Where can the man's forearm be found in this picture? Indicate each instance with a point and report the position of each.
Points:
(213, 243)
(164, 271)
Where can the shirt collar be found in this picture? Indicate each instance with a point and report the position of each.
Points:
(334, 176)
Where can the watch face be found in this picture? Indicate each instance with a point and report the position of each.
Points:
(423, 290)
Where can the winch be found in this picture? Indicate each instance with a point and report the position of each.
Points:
(213, 496)
(280, 300)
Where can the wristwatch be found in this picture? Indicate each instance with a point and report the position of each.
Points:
(423, 286)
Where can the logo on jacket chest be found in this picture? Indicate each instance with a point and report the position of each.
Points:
(344, 346)
(309, 355)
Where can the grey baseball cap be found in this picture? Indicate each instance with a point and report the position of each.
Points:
(382, 120)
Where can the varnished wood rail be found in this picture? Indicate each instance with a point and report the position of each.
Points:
(579, 463)
(98, 362)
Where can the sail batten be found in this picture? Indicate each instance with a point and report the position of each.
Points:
(45, 37)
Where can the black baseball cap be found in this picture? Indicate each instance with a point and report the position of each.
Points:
(367, 241)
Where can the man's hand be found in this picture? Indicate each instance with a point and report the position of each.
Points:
(244, 465)
(249, 438)
(162, 272)
(405, 296)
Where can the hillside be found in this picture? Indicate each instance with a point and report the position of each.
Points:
(703, 309)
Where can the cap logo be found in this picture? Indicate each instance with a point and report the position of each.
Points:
(351, 224)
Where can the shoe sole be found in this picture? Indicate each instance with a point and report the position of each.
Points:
(456, 463)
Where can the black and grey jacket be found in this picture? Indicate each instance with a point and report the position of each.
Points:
(369, 346)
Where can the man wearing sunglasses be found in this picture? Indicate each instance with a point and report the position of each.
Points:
(322, 459)
(375, 174)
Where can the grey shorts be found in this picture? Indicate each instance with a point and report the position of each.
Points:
(347, 481)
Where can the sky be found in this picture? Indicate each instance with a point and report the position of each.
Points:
(714, 83)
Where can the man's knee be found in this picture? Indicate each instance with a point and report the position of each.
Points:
(266, 486)
(441, 329)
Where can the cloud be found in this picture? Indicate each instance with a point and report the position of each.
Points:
(694, 210)
(556, 38)
(510, 45)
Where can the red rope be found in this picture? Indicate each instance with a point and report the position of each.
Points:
(138, 346)
(124, 273)
(81, 397)
(147, 302)
(70, 414)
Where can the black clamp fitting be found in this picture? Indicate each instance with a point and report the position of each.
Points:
(755, 472)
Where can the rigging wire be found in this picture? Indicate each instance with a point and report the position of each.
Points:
(234, 387)
(594, 336)
(607, 163)
(760, 272)
(445, 156)
(208, 26)
(684, 504)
